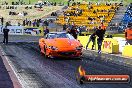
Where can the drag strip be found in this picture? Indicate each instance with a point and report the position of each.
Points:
(35, 71)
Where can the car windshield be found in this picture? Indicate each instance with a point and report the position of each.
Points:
(59, 35)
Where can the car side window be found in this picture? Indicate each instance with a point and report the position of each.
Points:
(61, 35)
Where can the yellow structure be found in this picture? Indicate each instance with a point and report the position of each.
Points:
(109, 45)
(127, 51)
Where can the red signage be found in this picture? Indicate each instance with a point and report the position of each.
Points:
(107, 44)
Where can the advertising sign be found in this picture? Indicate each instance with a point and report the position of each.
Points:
(20, 30)
(32, 31)
(14, 30)
(107, 44)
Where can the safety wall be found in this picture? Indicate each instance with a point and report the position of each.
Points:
(122, 43)
(109, 45)
(127, 51)
(20, 30)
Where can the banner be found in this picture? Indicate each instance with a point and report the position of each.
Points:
(34, 31)
(14, 30)
(20, 30)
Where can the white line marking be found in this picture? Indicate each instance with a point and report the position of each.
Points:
(13, 69)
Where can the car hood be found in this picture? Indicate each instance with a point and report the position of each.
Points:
(63, 42)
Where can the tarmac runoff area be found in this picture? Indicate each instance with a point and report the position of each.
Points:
(29, 69)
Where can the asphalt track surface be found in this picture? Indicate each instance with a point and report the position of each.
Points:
(35, 71)
(5, 81)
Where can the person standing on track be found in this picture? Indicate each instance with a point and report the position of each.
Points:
(100, 33)
(92, 38)
(5, 31)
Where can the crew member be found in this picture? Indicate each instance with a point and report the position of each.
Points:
(128, 34)
(100, 33)
(5, 31)
(92, 38)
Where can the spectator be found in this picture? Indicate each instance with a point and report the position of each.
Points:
(46, 31)
(46, 23)
(30, 23)
(34, 23)
(24, 22)
(8, 23)
(2, 20)
(128, 34)
(74, 31)
(68, 30)
(103, 26)
(19, 24)
(64, 27)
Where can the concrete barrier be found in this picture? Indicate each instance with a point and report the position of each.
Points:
(109, 45)
(127, 51)
(122, 42)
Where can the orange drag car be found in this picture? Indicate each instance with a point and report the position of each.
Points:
(60, 44)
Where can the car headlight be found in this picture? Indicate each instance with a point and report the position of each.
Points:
(53, 48)
(79, 48)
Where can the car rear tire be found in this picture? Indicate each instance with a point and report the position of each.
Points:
(40, 51)
(45, 56)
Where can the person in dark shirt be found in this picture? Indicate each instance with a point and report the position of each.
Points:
(46, 31)
(100, 33)
(5, 31)
(74, 31)
(92, 38)
(64, 27)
